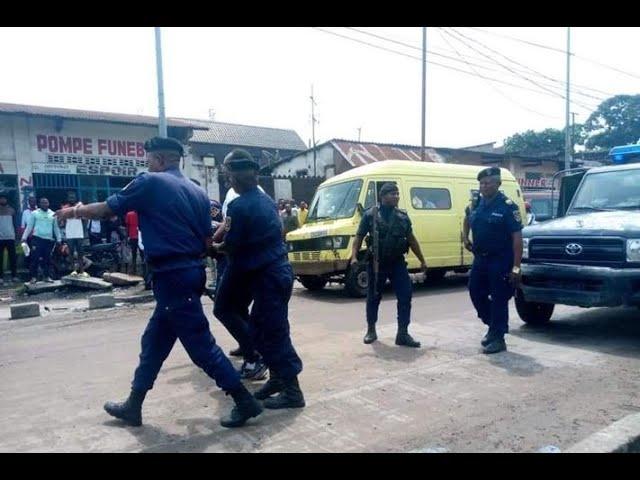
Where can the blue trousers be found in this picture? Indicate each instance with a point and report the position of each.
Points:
(269, 322)
(399, 275)
(179, 315)
(231, 308)
(490, 291)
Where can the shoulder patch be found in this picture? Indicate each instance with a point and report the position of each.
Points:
(517, 216)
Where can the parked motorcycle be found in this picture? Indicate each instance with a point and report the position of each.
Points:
(98, 259)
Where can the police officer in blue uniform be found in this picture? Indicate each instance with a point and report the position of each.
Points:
(258, 262)
(175, 222)
(395, 238)
(496, 225)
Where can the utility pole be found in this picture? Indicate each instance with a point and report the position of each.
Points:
(359, 132)
(424, 90)
(573, 132)
(567, 139)
(162, 119)
(313, 131)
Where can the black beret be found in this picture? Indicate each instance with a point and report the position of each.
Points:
(388, 188)
(158, 143)
(239, 159)
(489, 172)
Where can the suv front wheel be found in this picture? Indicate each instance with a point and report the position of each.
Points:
(533, 313)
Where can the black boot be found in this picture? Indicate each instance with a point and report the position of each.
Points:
(274, 385)
(237, 352)
(404, 339)
(130, 411)
(246, 407)
(371, 335)
(290, 397)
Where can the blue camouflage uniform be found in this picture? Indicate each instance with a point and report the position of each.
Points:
(258, 263)
(175, 221)
(492, 225)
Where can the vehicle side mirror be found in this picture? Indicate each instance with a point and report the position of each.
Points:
(360, 208)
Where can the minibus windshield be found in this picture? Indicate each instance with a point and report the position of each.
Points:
(335, 201)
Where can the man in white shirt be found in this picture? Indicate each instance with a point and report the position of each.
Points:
(74, 235)
(230, 197)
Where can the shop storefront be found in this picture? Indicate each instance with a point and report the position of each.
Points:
(49, 152)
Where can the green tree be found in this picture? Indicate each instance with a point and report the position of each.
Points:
(616, 121)
(535, 143)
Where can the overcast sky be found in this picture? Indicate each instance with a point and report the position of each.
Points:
(263, 76)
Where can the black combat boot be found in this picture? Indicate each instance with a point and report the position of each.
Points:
(496, 345)
(130, 411)
(371, 335)
(290, 397)
(246, 407)
(274, 385)
(404, 339)
(487, 339)
(237, 352)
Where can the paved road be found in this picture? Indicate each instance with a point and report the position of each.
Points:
(555, 385)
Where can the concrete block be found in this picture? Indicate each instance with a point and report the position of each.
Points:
(103, 300)
(90, 283)
(122, 279)
(620, 437)
(42, 287)
(25, 310)
(146, 296)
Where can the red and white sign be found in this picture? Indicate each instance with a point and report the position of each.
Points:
(534, 183)
(89, 156)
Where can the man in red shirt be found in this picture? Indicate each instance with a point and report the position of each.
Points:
(131, 222)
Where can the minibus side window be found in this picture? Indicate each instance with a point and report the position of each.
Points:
(430, 198)
(370, 198)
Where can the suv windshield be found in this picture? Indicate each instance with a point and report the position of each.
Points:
(616, 190)
(335, 201)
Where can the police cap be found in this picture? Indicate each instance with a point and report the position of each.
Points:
(489, 172)
(388, 188)
(239, 159)
(156, 144)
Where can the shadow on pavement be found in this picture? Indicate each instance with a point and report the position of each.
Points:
(394, 353)
(516, 363)
(335, 293)
(607, 330)
(206, 432)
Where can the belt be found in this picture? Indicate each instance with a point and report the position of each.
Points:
(158, 262)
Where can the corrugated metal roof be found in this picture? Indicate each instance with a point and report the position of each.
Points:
(361, 153)
(90, 115)
(246, 135)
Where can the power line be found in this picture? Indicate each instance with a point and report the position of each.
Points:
(547, 47)
(490, 60)
(522, 65)
(496, 88)
(449, 67)
(515, 73)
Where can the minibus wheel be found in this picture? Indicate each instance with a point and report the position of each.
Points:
(356, 281)
(313, 282)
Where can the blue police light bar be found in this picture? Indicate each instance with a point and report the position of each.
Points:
(625, 154)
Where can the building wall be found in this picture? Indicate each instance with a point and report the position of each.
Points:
(529, 173)
(325, 165)
(204, 160)
(35, 148)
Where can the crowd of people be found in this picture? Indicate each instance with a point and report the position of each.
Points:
(292, 215)
(42, 239)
